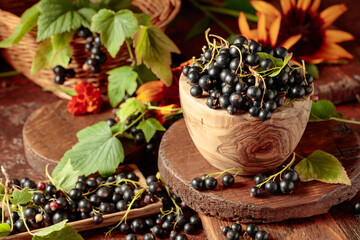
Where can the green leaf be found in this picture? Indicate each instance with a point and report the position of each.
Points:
(5, 230)
(87, 14)
(121, 80)
(289, 100)
(149, 127)
(285, 62)
(322, 110)
(28, 22)
(144, 73)
(153, 47)
(61, 41)
(2, 190)
(240, 5)
(129, 108)
(277, 62)
(22, 197)
(114, 28)
(68, 92)
(143, 19)
(115, 5)
(97, 151)
(58, 231)
(323, 167)
(46, 56)
(67, 178)
(59, 17)
(199, 28)
(312, 69)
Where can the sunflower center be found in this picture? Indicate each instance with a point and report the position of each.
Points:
(310, 26)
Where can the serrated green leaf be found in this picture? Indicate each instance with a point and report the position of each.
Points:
(22, 197)
(58, 231)
(277, 62)
(153, 48)
(322, 110)
(143, 19)
(285, 62)
(149, 127)
(121, 80)
(97, 151)
(199, 28)
(47, 57)
(312, 69)
(5, 230)
(58, 17)
(115, 5)
(28, 22)
(87, 14)
(240, 5)
(66, 179)
(61, 40)
(322, 166)
(114, 28)
(144, 73)
(129, 108)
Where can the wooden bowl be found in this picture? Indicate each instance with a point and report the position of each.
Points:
(240, 140)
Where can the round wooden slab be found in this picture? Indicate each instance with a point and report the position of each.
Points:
(51, 130)
(180, 162)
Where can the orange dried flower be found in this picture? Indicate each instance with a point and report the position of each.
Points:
(163, 113)
(87, 100)
(300, 28)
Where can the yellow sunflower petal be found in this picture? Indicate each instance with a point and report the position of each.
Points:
(266, 8)
(244, 26)
(329, 52)
(262, 35)
(285, 6)
(288, 43)
(315, 6)
(330, 14)
(339, 52)
(305, 5)
(299, 3)
(274, 31)
(338, 36)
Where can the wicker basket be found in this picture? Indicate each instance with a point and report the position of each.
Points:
(20, 56)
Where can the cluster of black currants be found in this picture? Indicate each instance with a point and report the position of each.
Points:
(91, 198)
(285, 186)
(235, 231)
(163, 226)
(61, 74)
(137, 134)
(206, 182)
(237, 77)
(93, 45)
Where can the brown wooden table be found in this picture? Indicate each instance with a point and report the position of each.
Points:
(19, 97)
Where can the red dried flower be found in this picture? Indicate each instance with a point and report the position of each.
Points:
(87, 100)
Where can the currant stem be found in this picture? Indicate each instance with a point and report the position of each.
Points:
(222, 172)
(129, 50)
(344, 120)
(132, 124)
(9, 74)
(21, 211)
(165, 109)
(278, 173)
(233, 13)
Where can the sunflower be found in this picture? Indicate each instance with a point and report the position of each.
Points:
(299, 28)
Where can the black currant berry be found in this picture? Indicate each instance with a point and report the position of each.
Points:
(279, 100)
(158, 231)
(214, 72)
(241, 40)
(70, 73)
(255, 191)
(59, 71)
(216, 93)
(98, 219)
(291, 175)
(231, 110)
(189, 228)
(253, 92)
(228, 180)
(261, 235)
(266, 64)
(59, 216)
(272, 187)
(181, 236)
(210, 183)
(196, 91)
(205, 82)
(297, 91)
(259, 178)
(269, 51)
(357, 208)
(251, 230)
(224, 101)
(234, 64)
(84, 205)
(264, 114)
(130, 236)
(232, 235)
(252, 59)
(75, 194)
(39, 198)
(223, 59)
(224, 73)
(30, 213)
(50, 189)
(236, 99)
(309, 78)
(59, 79)
(241, 87)
(111, 122)
(255, 47)
(231, 79)
(82, 186)
(208, 54)
(281, 52)
(282, 78)
(308, 89)
(270, 105)
(227, 89)
(198, 184)
(149, 236)
(212, 102)
(286, 186)
(236, 227)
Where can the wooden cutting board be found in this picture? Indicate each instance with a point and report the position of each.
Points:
(179, 162)
(51, 130)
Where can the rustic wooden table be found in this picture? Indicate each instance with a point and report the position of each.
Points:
(19, 97)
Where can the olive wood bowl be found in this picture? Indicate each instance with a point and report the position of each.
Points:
(240, 140)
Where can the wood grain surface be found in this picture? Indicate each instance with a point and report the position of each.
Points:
(108, 219)
(51, 130)
(180, 163)
(240, 140)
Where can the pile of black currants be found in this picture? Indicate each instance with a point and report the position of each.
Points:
(235, 231)
(207, 182)
(246, 76)
(61, 74)
(285, 186)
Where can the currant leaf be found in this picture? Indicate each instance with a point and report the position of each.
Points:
(5, 230)
(67, 177)
(97, 151)
(321, 110)
(58, 231)
(114, 28)
(322, 166)
(143, 19)
(285, 62)
(121, 80)
(153, 48)
(149, 127)
(28, 21)
(22, 197)
(129, 108)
